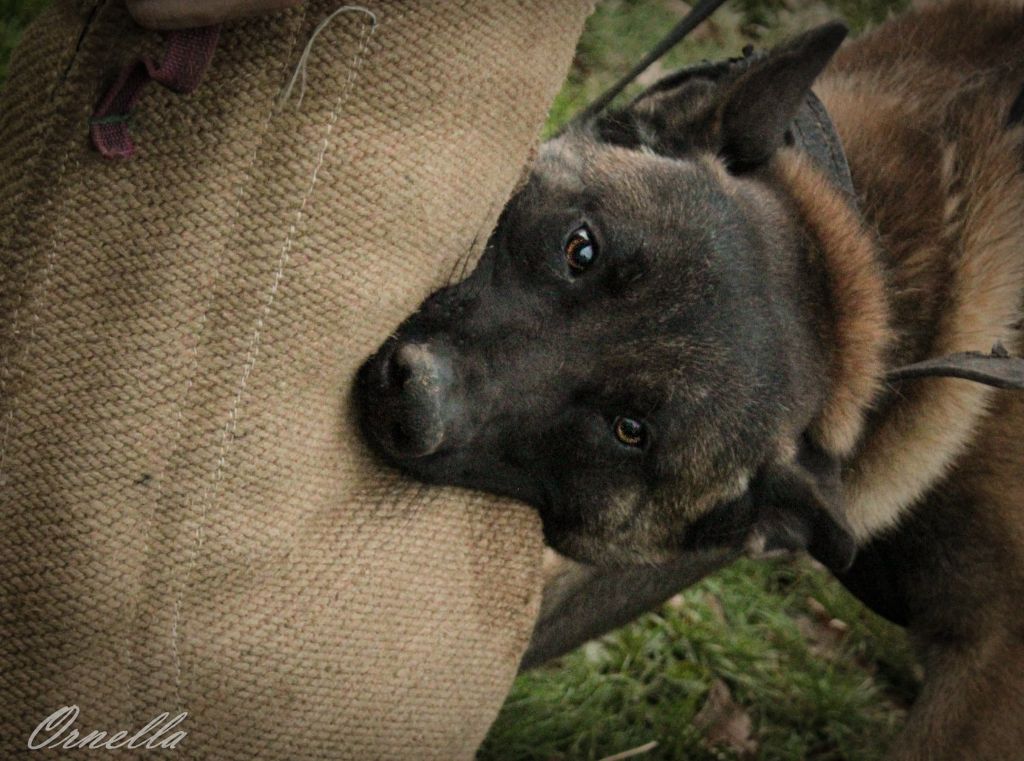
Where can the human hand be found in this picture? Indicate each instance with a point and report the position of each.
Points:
(182, 14)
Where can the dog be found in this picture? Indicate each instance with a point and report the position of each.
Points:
(678, 338)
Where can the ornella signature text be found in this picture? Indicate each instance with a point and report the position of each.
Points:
(58, 731)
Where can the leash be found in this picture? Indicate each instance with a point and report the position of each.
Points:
(998, 369)
(700, 12)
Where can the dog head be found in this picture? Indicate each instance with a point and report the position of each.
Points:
(636, 353)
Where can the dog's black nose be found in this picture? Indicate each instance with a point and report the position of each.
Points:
(403, 393)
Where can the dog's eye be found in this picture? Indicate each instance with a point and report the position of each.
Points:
(629, 431)
(580, 251)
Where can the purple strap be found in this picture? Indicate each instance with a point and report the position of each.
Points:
(189, 52)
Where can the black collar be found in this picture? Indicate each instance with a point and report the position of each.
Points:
(814, 133)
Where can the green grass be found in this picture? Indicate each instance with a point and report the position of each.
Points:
(812, 687)
(808, 689)
(14, 17)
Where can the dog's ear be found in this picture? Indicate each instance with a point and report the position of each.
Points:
(740, 108)
(760, 104)
(795, 508)
(791, 504)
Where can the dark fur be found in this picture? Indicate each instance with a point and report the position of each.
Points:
(747, 312)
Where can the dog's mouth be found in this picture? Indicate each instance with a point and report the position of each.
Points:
(403, 400)
(409, 421)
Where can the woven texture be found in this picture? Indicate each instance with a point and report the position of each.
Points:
(187, 520)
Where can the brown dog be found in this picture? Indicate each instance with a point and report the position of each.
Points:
(679, 336)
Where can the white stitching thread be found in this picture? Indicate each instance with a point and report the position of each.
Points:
(189, 383)
(252, 353)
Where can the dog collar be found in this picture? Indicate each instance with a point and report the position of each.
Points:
(814, 133)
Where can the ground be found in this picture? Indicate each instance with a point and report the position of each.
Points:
(769, 660)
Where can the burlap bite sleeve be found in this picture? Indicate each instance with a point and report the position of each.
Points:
(187, 520)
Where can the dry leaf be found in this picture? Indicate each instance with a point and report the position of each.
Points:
(633, 752)
(823, 639)
(725, 722)
(652, 74)
(716, 608)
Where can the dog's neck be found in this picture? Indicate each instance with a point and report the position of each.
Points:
(819, 180)
(839, 246)
(879, 278)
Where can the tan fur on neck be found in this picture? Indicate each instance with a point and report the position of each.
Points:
(921, 437)
(860, 330)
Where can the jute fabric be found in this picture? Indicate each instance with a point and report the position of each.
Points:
(188, 521)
